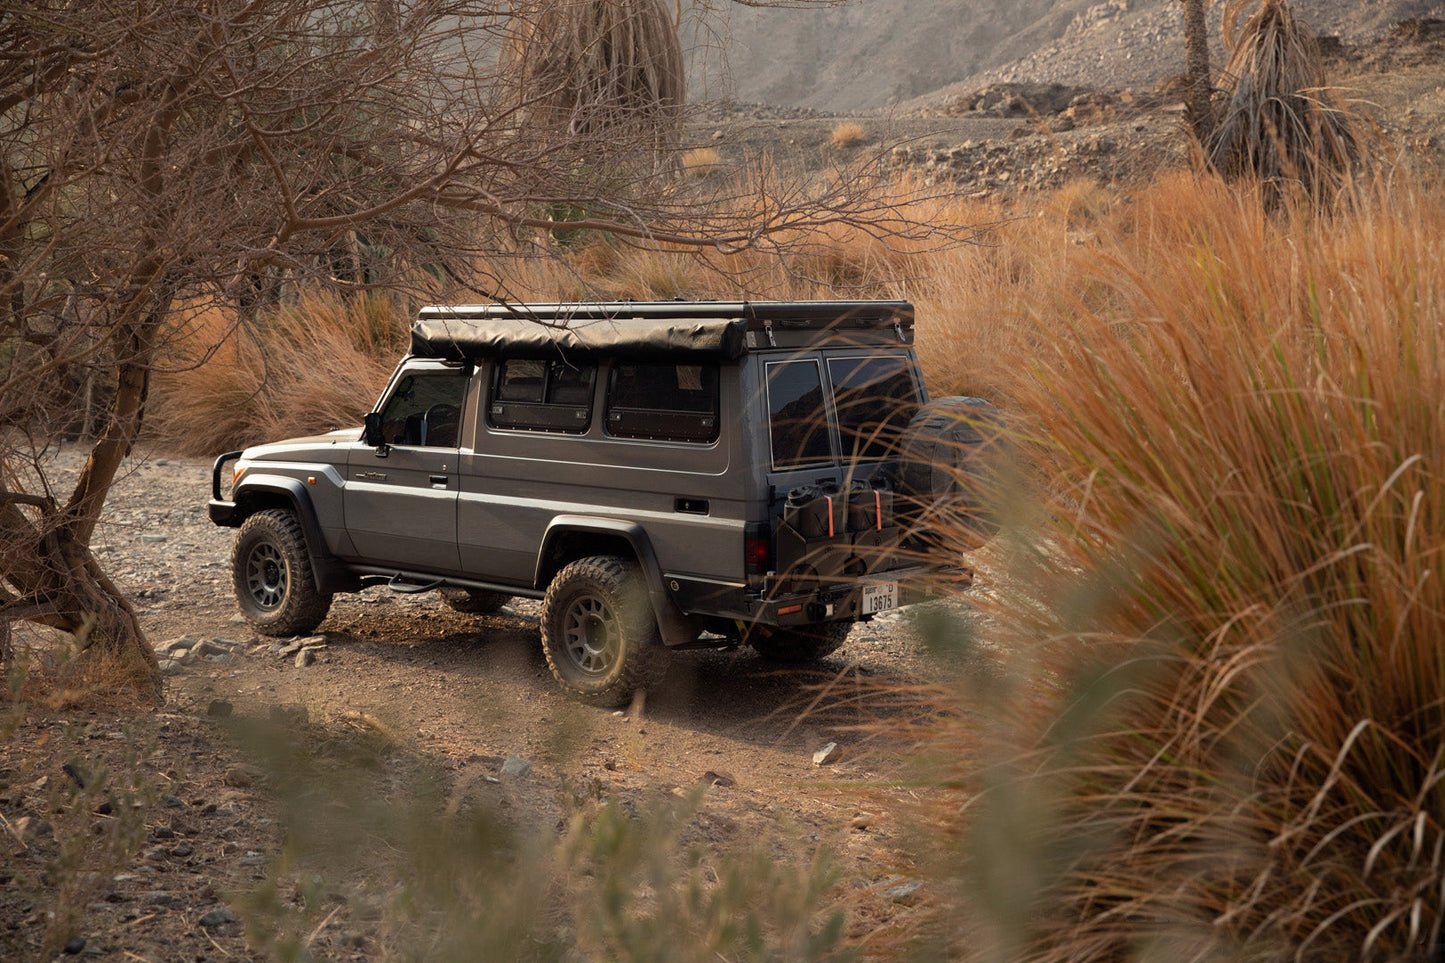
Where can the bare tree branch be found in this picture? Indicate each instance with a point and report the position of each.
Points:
(158, 158)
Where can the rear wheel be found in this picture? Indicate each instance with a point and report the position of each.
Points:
(472, 601)
(599, 633)
(271, 572)
(799, 644)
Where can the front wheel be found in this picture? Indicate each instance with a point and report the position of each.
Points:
(799, 644)
(271, 573)
(599, 633)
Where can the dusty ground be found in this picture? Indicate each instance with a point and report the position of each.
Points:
(465, 699)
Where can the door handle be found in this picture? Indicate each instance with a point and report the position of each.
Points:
(438, 481)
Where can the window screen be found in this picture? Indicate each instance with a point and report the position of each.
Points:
(539, 395)
(425, 410)
(875, 397)
(669, 402)
(797, 419)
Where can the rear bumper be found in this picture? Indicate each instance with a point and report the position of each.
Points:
(829, 602)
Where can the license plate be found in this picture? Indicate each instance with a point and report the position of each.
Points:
(880, 597)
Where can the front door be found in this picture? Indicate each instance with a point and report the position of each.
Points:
(401, 506)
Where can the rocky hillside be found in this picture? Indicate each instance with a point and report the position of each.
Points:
(877, 54)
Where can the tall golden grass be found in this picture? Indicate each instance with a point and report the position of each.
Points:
(1225, 738)
(312, 366)
(321, 362)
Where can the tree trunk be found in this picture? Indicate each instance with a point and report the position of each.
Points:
(1199, 86)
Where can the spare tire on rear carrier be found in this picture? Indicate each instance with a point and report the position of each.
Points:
(950, 464)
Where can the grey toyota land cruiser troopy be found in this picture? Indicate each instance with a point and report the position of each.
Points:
(660, 474)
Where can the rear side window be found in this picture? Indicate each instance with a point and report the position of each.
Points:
(667, 402)
(875, 397)
(537, 395)
(797, 418)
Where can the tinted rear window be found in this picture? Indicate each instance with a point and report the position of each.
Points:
(875, 397)
(797, 418)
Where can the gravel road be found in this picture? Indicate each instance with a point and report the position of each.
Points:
(784, 756)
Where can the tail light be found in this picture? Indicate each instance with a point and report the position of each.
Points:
(757, 549)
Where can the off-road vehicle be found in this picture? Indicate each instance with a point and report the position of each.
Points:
(661, 474)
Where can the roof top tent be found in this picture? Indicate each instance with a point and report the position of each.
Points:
(716, 329)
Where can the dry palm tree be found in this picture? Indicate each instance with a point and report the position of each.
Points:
(595, 69)
(1279, 121)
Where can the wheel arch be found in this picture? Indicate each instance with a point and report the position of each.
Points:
(264, 492)
(570, 537)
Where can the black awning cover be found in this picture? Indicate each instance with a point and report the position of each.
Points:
(684, 329)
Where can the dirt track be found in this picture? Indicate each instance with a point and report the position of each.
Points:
(466, 696)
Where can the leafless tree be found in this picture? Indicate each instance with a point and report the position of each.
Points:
(158, 158)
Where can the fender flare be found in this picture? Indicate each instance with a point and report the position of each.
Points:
(331, 575)
(671, 623)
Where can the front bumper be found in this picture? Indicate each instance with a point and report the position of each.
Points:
(221, 509)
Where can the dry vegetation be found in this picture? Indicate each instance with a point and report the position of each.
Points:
(849, 133)
(1220, 732)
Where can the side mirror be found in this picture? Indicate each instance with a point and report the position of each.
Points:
(372, 434)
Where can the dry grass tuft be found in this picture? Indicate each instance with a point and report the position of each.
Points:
(57, 677)
(848, 134)
(702, 162)
(1226, 738)
(308, 367)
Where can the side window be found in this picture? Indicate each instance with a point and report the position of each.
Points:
(537, 395)
(668, 402)
(875, 398)
(797, 418)
(425, 410)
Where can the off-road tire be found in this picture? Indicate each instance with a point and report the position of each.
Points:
(472, 601)
(271, 573)
(599, 632)
(799, 644)
(952, 453)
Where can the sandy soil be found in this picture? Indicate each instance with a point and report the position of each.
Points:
(452, 695)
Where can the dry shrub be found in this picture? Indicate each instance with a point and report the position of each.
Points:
(702, 162)
(303, 368)
(1280, 122)
(849, 133)
(59, 674)
(1226, 739)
